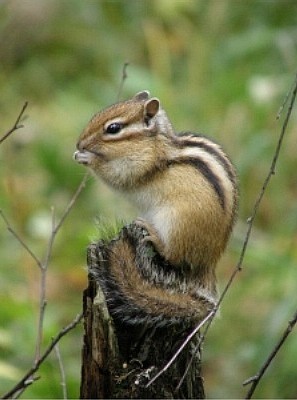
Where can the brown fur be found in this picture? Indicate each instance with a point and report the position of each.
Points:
(184, 186)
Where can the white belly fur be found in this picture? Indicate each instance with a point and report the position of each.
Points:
(159, 214)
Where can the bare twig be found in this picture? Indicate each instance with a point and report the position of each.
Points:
(176, 354)
(29, 376)
(123, 78)
(54, 231)
(62, 371)
(71, 203)
(255, 379)
(271, 172)
(43, 266)
(42, 307)
(198, 345)
(20, 240)
(286, 99)
(42, 295)
(16, 125)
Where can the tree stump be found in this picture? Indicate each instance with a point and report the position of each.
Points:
(118, 358)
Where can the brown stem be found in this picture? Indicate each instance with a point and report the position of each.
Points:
(28, 377)
(16, 125)
(256, 379)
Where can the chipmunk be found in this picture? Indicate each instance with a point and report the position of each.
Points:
(186, 189)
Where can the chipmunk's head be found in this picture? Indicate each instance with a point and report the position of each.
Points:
(119, 142)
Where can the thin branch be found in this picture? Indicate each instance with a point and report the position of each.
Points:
(28, 377)
(285, 101)
(123, 78)
(16, 125)
(62, 371)
(55, 227)
(176, 354)
(256, 379)
(42, 295)
(42, 307)
(42, 291)
(71, 203)
(20, 240)
(43, 268)
(29, 382)
(54, 231)
(198, 345)
(271, 172)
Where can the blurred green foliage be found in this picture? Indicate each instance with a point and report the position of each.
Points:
(221, 67)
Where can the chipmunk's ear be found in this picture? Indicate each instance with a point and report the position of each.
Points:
(151, 107)
(144, 95)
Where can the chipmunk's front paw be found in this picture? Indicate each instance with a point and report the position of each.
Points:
(83, 157)
(152, 237)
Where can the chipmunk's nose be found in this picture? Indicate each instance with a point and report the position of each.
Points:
(79, 145)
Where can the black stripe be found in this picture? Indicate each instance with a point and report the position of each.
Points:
(222, 159)
(206, 171)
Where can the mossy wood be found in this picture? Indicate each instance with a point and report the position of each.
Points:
(119, 359)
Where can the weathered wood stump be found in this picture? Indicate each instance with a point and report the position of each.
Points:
(119, 359)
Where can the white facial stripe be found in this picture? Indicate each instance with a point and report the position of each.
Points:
(125, 131)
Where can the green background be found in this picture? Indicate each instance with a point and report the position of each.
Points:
(219, 67)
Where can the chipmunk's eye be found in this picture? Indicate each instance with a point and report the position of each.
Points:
(114, 127)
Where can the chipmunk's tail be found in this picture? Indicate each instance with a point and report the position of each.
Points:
(140, 290)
